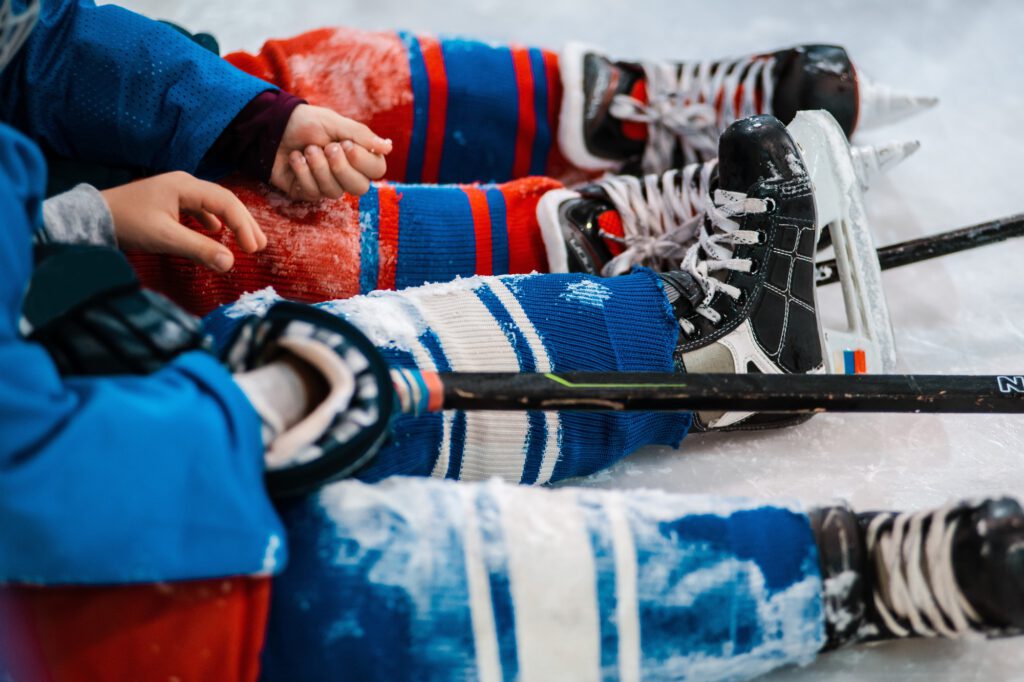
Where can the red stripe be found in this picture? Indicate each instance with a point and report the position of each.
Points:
(435, 389)
(433, 60)
(860, 362)
(525, 245)
(554, 103)
(482, 229)
(527, 129)
(387, 237)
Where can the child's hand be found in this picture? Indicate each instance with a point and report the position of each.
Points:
(147, 212)
(324, 154)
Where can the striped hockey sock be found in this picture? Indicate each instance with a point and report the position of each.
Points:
(456, 110)
(533, 323)
(394, 236)
(435, 580)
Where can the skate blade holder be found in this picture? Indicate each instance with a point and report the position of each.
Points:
(868, 344)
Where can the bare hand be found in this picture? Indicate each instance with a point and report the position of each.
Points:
(147, 216)
(324, 154)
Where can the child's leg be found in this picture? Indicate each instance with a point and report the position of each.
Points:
(395, 236)
(533, 323)
(457, 110)
(434, 580)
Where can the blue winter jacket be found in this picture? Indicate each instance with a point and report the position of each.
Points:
(110, 480)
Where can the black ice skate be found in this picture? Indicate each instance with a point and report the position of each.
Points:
(947, 572)
(743, 285)
(652, 116)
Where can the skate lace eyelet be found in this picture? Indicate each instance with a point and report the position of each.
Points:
(770, 205)
(755, 265)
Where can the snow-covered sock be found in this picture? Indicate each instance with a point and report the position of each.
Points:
(456, 110)
(394, 236)
(432, 579)
(533, 323)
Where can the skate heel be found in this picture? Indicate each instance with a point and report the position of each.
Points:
(867, 345)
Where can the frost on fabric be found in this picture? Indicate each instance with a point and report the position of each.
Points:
(586, 292)
(356, 73)
(387, 318)
(272, 556)
(837, 592)
(254, 303)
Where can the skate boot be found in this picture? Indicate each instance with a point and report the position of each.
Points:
(651, 116)
(948, 572)
(611, 225)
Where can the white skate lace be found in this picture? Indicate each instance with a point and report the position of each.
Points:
(661, 215)
(693, 102)
(15, 29)
(664, 222)
(915, 589)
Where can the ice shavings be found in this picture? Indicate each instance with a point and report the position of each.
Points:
(252, 303)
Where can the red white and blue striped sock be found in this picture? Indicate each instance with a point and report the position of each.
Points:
(457, 110)
(394, 236)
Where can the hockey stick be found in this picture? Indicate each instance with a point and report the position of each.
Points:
(941, 244)
(421, 392)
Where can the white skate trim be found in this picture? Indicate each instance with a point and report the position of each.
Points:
(570, 123)
(744, 349)
(550, 228)
(839, 205)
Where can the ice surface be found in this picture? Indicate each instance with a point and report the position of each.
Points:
(958, 314)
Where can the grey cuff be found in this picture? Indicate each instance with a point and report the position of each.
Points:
(79, 216)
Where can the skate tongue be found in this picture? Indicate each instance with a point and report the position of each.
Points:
(870, 162)
(988, 560)
(881, 105)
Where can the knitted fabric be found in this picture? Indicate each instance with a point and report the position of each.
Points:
(456, 110)
(392, 237)
(431, 580)
(536, 323)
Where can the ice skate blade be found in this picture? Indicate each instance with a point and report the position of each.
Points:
(881, 105)
(867, 345)
(872, 161)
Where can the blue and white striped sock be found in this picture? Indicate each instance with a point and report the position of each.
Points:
(528, 323)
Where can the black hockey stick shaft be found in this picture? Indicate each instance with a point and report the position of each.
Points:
(942, 244)
(788, 393)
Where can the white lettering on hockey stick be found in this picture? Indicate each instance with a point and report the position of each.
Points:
(1013, 384)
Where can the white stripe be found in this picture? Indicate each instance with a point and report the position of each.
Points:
(473, 341)
(485, 636)
(518, 315)
(543, 361)
(553, 584)
(627, 616)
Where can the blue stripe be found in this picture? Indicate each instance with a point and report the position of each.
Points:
(483, 112)
(499, 231)
(542, 142)
(420, 108)
(369, 240)
(604, 576)
(458, 446)
(849, 366)
(421, 408)
(436, 237)
(495, 558)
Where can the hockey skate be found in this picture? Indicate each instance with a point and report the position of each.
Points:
(611, 225)
(652, 116)
(949, 572)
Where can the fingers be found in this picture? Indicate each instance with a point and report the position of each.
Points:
(210, 222)
(351, 179)
(304, 187)
(371, 165)
(347, 129)
(324, 173)
(178, 240)
(198, 197)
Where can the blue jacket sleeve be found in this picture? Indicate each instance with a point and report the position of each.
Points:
(114, 480)
(103, 84)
